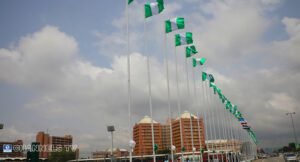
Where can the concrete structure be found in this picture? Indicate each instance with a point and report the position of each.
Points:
(52, 142)
(142, 135)
(14, 153)
(143, 138)
(186, 132)
(106, 154)
(224, 145)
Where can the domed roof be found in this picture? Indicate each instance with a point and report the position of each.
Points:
(186, 115)
(146, 119)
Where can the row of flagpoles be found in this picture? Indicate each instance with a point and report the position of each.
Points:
(171, 25)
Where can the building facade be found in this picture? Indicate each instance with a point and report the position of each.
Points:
(107, 153)
(188, 121)
(142, 135)
(224, 145)
(13, 153)
(52, 143)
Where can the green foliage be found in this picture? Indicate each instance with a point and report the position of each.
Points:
(63, 155)
(183, 149)
(155, 147)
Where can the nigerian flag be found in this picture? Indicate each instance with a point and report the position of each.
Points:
(174, 24)
(204, 76)
(211, 78)
(190, 50)
(181, 39)
(129, 1)
(154, 8)
(199, 61)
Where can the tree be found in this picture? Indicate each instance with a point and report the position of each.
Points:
(63, 155)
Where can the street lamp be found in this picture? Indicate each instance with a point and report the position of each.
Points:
(291, 115)
(111, 129)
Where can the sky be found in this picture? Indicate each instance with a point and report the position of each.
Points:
(63, 65)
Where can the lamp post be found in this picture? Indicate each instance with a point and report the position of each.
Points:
(111, 129)
(291, 115)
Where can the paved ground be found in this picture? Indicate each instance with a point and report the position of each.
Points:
(272, 159)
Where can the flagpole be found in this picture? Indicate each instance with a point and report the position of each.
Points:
(205, 113)
(225, 130)
(169, 102)
(149, 89)
(198, 124)
(213, 130)
(129, 84)
(178, 103)
(189, 96)
(213, 119)
(215, 101)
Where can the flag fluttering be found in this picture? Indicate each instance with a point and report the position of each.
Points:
(190, 51)
(129, 1)
(181, 39)
(198, 61)
(154, 8)
(174, 24)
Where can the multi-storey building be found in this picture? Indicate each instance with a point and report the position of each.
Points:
(52, 142)
(14, 152)
(142, 135)
(196, 134)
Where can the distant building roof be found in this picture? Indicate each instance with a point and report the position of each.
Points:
(186, 115)
(146, 119)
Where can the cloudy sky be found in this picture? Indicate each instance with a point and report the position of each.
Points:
(63, 65)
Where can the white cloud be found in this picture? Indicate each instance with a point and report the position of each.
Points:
(282, 102)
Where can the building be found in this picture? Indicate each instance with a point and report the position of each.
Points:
(14, 153)
(224, 145)
(142, 135)
(165, 130)
(106, 154)
(198, 134)
(52, 142)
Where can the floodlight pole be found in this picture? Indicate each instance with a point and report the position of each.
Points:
(111, 129)
(291, 115)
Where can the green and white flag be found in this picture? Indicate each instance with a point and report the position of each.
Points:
(198, 61)
(154, 8)
(190, 50)
(181, 39)
(174, 24)
(204, 76)
(129, 1)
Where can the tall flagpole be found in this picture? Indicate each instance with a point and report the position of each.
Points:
(169, 102)
(205, 114)
(198, 124)
(178, 103)
(213, 130)
(189, 96)
(131, 143)
(149, 89)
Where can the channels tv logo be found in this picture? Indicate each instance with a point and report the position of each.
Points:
(7, 148)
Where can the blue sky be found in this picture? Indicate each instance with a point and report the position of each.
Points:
(65, 61)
